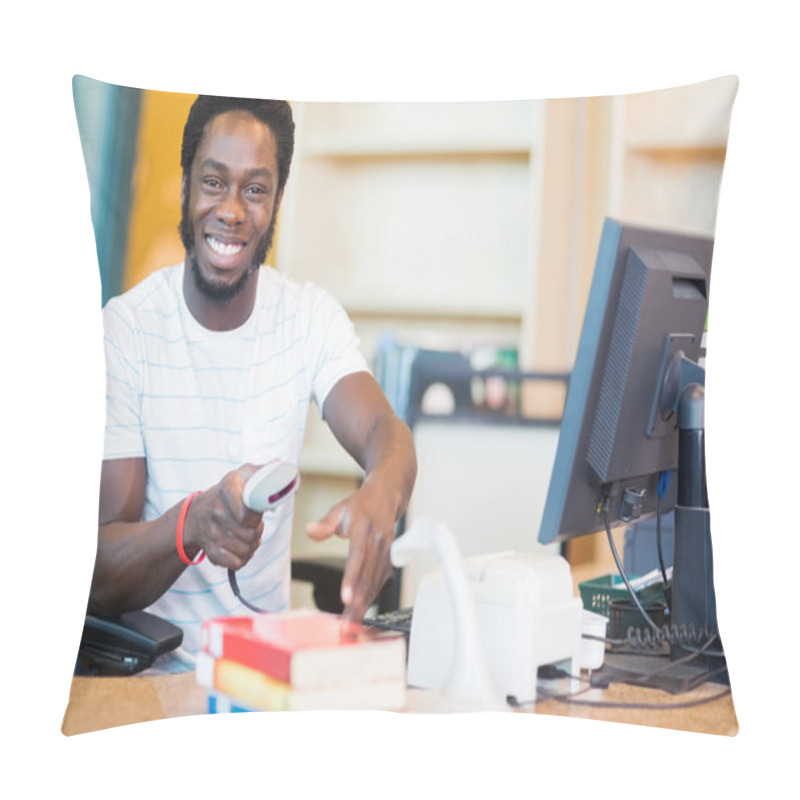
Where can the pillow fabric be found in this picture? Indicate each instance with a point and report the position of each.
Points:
(455, 228)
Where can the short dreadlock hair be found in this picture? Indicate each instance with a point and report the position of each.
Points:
(275, 114)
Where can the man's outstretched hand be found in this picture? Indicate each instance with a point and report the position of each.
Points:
(367, 519)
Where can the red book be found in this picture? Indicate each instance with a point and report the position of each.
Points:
(307, 649)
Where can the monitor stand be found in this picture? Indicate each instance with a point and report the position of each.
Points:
(693, 610)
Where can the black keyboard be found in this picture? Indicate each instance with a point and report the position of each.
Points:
(397, 620)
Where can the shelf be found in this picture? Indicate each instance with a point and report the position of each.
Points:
(678, 151)
(357, 150)
(420, 129)
(367, 309)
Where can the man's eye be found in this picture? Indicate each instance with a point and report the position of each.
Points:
(212, 184)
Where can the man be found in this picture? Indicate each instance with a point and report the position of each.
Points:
(211, 366)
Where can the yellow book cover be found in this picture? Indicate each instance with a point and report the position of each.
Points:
(260, 691)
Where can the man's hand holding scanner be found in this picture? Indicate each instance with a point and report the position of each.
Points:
(220, 524)
(137, 560)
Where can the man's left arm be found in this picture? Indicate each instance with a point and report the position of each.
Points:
(366, 426)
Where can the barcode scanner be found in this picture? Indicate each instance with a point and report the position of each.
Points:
(265, 490)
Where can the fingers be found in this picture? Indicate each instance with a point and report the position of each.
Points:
(334, 523)
(232, 489)
(367, 570)
(363, 518)
(360, 590)
(233, 546)
(234, 549)
(228, 532)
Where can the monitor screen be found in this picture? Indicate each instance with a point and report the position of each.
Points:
(619, 440)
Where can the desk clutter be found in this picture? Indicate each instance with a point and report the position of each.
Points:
(482, 630)
(300, 660)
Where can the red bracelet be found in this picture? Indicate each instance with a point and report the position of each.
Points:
(179, 532)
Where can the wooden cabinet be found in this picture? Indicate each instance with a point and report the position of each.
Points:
(416, 216)
(669, 152)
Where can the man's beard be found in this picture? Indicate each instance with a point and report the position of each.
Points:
(207, 288)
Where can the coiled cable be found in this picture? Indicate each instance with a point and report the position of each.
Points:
(688, 637)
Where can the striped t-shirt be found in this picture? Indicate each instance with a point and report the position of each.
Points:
(197, 403)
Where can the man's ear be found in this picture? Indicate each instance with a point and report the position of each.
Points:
(183, 189)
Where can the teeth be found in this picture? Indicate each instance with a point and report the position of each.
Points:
(223, 249)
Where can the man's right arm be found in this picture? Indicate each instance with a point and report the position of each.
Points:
(138, 561)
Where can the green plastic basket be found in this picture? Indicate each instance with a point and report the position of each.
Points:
(597, 593)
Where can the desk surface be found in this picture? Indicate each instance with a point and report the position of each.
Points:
(100, 703)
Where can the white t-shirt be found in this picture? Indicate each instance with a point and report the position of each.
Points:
(197, 403)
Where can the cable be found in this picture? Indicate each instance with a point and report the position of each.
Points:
(683, 636)
(668, 634)
(621, 570)
(235, 588)
(686, 637)
(690, 656)
(570, 699)
(542, 695)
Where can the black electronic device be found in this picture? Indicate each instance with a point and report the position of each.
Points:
(633, 416)
(398, 620)
(125, 644)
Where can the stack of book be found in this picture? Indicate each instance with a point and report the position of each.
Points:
(300, 661)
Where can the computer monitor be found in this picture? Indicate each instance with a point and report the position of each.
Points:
(632, 430)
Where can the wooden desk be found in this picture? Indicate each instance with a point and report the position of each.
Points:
(100, 703)
(637, 705)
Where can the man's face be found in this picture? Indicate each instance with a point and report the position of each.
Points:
(229, 200)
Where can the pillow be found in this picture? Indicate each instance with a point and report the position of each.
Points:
(469, 227)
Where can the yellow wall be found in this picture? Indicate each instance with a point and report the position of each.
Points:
(153, 239)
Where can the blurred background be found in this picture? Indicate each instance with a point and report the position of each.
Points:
(461, 239)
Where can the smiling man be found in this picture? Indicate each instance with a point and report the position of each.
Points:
(227, 234)
(211, 368)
